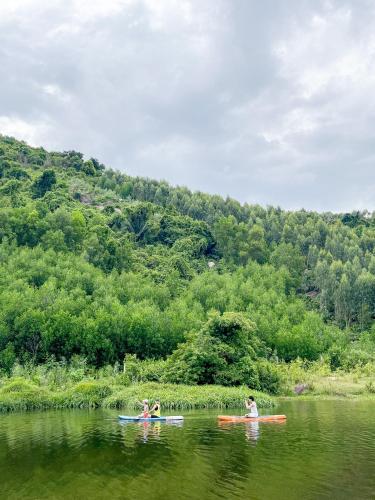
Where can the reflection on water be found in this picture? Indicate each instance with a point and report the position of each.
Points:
(149, 429)
(252, 431)
(324, 450)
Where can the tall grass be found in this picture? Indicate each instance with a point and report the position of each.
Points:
(184, 396)
(17, 394)
(59, 385)
(321, 381)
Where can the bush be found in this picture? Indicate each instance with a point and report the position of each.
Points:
(92, 389)
(44, 183)
(152, 370)
(132, 367)
(7, 358)
(353, 355)
(20, 394)
(243, 372)
(87, 394)
(19, 385)
(269, 376)
(356, 357)
(307, 339)
(222, 352)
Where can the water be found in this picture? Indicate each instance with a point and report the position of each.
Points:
(325, 449)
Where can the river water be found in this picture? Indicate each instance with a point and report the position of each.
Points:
(325, 449)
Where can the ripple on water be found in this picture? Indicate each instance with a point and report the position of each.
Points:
(325, 449)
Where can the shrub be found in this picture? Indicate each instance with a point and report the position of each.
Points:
(86, 394)
(222, 352)
(152, 370)
(354, 357)
(44, 183)
(242, 373)
(92, 389)
(19, 385)
(20, 394)
(269, 377)
(7, 358)
(132, 368)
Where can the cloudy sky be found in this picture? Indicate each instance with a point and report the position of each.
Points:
(270, 102)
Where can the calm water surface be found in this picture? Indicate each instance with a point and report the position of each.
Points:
(325, 450)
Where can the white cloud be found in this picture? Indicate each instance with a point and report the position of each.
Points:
(325, 54)
(274, 106)
(169, 14)
(34, 133)
(90, 10)
(56, 92)
(295, 122)
(172, 148)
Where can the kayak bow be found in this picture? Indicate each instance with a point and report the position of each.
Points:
(260, 418)
(149, 419)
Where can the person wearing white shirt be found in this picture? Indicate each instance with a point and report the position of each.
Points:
(252, 406)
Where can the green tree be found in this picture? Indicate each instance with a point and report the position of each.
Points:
(7, 358)
(44, 183)
(221, 352)
(289, 256)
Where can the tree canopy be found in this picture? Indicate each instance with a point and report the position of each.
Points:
(97, 263)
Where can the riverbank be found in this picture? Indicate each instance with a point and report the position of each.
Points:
(64, 386)
(317, 380)
(330, 388)
(18, 394)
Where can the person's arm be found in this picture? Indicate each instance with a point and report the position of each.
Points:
(247, 404)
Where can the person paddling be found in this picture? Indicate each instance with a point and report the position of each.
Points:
(146, 413)
(252, 406)
(155, 410)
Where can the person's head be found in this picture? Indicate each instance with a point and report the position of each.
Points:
(251, 398)
(157, 401)
(145, 401)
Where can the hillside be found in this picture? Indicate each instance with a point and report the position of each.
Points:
(98, 264)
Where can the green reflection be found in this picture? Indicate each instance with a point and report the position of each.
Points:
(325, 450)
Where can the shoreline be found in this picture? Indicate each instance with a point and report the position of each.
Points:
(19, 394)
(327, 397)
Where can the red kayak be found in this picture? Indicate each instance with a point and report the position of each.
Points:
(261, 418)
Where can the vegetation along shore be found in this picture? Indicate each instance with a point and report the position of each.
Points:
(113, 283)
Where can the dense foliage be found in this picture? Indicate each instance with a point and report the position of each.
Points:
(98, 264)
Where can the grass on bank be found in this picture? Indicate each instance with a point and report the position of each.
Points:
(184, 396)
(343, 385)
(76, 385)
(320, 380)
(20, 394)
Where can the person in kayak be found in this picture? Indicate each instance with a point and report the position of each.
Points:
(145, 413)
(252, 406)
(155, 410)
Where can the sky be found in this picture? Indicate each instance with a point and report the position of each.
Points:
(269, 102)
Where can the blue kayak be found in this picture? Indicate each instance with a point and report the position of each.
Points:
(149, 419)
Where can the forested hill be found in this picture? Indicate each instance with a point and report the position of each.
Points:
(96, 263)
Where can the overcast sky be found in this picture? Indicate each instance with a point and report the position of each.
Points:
(269, 102)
